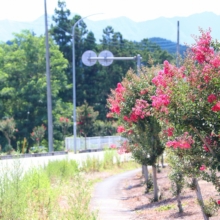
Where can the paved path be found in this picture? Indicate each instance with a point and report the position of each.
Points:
(107, 198)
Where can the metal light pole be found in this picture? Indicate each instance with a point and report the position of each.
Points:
(49, 100)
(74, 78)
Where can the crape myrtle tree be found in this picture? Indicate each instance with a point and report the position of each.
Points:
(86, 118)
(23, 82)
(63, 123)
(8, 129)
(187, 102)
(131, 104)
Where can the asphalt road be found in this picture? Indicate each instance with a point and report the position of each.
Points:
(107, 197)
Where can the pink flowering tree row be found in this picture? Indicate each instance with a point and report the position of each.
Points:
(184, 102)
(187, 103)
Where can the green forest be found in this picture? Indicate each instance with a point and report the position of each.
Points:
(23, 85)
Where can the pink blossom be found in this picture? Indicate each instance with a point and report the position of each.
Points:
(133, 117)
(215, 62)
(211, 98)
(140, 109)
(169, 132)
(119, 88)
(205, 148)
(113, 146)
(115, 109)
(126, 118)
(143, 91)
(169, 69)
(202, 50)
(218, 202)
(120, 129)
(121, 151)
(216, 107)
(202, 168)
(184, 142)
(160, 100)
(160, 80)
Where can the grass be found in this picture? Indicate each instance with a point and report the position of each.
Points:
(165, 207)
(60, 190)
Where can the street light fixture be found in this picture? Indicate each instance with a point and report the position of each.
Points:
(74, 78)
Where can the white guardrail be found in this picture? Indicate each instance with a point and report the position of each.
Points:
(91, 143)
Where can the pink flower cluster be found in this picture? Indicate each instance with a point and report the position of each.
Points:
(113, 146)
(63, 120)
(211, 98)
(184, 142)
(163, 81)
(160, 102)
(202, 50)
(168, 132)
(143, 91)
(124, 148)
(115, 103)
(120, 129)
(141, 109)
(203, 167)
(160, 80)
(216, 107)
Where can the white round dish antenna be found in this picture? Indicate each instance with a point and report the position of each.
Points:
(107, 55)
(86, 58)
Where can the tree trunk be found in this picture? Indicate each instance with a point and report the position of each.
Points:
(8, 139)
(179, 203)
(145, 172)
(162, 161)
(154, 169)
(199, 198)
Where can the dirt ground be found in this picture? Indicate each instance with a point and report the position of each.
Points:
(135, 198)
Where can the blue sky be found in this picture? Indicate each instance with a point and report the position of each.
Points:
(137, 10)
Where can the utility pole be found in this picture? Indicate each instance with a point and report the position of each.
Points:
(49, 102)
(177, 47)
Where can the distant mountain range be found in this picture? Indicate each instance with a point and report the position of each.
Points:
(165, 28)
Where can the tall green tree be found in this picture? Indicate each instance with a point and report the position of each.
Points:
(23, 81)
(60, 29)
(61, 32)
